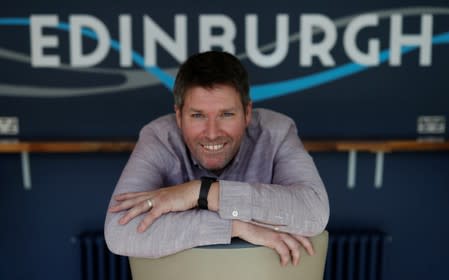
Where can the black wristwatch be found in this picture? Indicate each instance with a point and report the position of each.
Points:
(206, 182)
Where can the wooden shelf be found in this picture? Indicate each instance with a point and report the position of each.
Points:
(311, 145)
(350, 146)
(66, 146)
(376, 146)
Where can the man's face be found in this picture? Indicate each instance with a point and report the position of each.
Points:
(213, 123)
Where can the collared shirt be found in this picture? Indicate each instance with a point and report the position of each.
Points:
(272, 182)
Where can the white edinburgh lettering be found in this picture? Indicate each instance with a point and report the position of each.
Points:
(77, 58)
(308, 49)
(251, 41)
(125, 35)
(225, 40)
(272, 55)
(350, 43)
(38, 41)
(154, 34)
(423, 40)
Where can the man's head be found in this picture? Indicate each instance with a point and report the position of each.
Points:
(209, 69)
(212, 107)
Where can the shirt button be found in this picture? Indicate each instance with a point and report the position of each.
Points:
(235, 213)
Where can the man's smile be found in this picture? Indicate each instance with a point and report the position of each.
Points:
(213, 147)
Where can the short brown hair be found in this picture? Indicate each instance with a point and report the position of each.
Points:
(208, 69)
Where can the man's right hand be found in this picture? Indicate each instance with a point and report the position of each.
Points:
(164, 200)
(286, 245)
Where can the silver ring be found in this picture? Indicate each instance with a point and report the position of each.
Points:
(150, 204)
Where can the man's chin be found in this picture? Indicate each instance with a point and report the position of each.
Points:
(212, 166)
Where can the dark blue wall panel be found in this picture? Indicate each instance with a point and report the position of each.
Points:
(70, 192)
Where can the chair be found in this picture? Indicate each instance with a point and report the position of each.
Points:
(237, 261)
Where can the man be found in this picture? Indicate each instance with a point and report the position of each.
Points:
(261, 185)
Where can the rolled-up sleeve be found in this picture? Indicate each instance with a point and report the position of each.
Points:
(295, 201)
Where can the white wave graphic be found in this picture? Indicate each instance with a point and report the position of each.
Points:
(135, 79)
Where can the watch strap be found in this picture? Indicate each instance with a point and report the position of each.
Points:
(206, 182)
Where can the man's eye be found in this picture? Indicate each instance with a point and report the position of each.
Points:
(197, 115)
(228, 114)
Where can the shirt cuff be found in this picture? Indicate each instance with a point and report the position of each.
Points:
(235, 201)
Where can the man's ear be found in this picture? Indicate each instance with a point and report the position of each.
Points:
(178, 112)
(248, 113)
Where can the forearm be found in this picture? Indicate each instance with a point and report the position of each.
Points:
(294, 209)
(213, 197)
(181, 227)
(169, 234)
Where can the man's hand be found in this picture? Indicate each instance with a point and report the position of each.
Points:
(171, 199)
(286, 245)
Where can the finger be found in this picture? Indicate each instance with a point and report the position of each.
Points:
(149, 219)
(283, 252)
(129, 195)
(127, 204)
(157, 211)
(134, 212)
(294, 247)
(306, 243)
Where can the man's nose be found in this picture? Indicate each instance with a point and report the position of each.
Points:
(212, 128)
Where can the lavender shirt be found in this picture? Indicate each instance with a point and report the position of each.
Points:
(271, 182)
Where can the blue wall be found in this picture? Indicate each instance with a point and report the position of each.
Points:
(70, 192)
(70, 195)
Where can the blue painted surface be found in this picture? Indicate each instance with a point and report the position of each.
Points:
(70, 195)
(70, 192)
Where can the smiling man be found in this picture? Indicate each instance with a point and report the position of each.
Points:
(214, 170)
